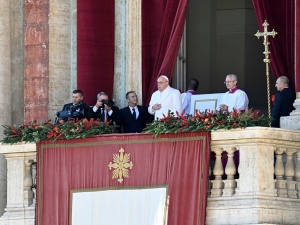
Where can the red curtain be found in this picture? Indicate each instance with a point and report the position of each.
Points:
(297, 63)
(179, 161)
(280, 15)
(95, 47)
(162, 27)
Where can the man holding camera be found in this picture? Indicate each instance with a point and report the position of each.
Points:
(105, 110)
(75, 110)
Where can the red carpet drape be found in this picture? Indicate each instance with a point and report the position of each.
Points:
(178, 160)
(162, 27)
(280, 15)
(95, 48)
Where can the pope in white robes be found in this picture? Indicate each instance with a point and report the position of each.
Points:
(164, 99)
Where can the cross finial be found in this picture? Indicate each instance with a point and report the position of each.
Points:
(265, 34)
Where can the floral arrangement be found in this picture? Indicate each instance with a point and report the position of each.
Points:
(72, 129)
(207, 121)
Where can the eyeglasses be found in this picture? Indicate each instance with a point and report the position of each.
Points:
(226, 82)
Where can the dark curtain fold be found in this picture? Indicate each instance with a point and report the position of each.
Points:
(162, 27)
(178, 160)
(95, 48)
(280, 15)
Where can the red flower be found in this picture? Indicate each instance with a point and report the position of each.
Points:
(273, 98)
(87, 126)
(234, 113)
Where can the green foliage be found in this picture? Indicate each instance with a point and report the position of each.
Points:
(34, 132)
(202, 121)
(206, 121)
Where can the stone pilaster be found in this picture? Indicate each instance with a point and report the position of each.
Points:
(36, 74)
(120, 54)
(128, 50)
(20, 208)
(3, 189)
(5, 88)
(5, 64)
(62, 54)
(17, 60)
(134, 48)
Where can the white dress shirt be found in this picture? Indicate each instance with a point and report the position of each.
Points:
(136, 111)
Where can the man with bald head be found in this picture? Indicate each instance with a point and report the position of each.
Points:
(164, 99)
(284, 100)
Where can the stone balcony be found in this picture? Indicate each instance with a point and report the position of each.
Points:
(20, 203)
(264, 192)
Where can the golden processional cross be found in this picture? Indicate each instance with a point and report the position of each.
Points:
(267, 60)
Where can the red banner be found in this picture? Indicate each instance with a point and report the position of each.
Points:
(178, 160)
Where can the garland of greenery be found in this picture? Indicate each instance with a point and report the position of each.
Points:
(74, 129)
(207, 121)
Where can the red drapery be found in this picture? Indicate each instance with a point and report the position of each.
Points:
(179, 161)
(280, 15)
(95, 48)
(162, 27)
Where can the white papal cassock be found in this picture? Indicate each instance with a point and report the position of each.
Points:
(170, 99)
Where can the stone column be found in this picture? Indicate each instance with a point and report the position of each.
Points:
(5, 88)
(120, 54)
(128, 50)
(62, 54)
(134, 48)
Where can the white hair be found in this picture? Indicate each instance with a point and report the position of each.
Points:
(165, 77)
(100, 94)
(233, 76)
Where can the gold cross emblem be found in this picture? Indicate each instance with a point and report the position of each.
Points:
(121, 164)
(265, 34)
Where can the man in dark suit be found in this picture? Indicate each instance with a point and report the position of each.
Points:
(105, 110)
(134, 117)
(284, 99)
(75, 110)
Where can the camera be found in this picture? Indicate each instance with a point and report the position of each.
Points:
(109, 103)
(71, 113)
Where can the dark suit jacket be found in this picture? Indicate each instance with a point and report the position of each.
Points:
(132, 125)
(84, 112)
(283, 105)
(115, 116)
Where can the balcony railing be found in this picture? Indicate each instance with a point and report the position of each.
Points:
(264, 189)
(267, 188)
